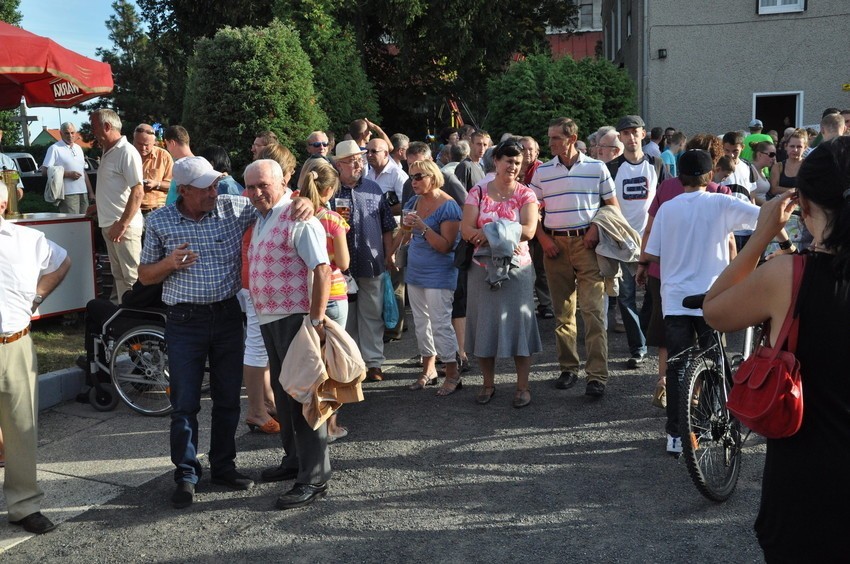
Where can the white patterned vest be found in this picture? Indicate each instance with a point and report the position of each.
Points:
(278, 278)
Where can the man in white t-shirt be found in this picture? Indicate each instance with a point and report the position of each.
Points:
(636, 178)
(119, 198)
(742, 181)
(689, 238)
(67, 154)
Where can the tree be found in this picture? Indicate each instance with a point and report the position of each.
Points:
(246, 80)
(344, 90)
(140, 76)
(532, 92)
(420, 52)
(9, 13)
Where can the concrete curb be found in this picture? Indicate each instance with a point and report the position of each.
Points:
(59, 386)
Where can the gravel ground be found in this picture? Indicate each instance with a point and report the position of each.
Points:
(428, 479)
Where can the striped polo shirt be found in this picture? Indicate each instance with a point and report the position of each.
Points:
(571, 196)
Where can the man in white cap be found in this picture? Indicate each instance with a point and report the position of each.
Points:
(369, 242)
(755, 136)
(193, 247)
(32, 268)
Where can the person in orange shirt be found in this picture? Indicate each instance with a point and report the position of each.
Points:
(156, 168)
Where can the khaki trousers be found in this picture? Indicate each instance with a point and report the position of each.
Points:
(576, 268)
(19, 421)
(124, 260)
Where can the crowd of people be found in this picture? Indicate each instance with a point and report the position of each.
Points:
(482, 241)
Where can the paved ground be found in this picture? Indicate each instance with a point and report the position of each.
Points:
(420, 478)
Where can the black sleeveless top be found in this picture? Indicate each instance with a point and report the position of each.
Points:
(786, 181)
(805, 504)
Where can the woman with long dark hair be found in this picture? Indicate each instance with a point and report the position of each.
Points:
(804, 514)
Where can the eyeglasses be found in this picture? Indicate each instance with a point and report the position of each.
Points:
(318, 144)
(419, 176)
(143, 130)
(375, 151)
(607, 147)
(264, 187)
(354, 162)
(772, 155)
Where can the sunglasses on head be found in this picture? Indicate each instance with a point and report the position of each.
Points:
(419, 176)
(318, 144)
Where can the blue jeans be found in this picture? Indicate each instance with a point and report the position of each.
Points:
(194, 333)
(337, 310)
(627, 301)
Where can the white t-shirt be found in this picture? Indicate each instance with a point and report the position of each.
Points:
(72, 160)
(742, 188)
(690, 234)
(120, 169)
(636, 183)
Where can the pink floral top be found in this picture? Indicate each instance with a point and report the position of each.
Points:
(491, 210)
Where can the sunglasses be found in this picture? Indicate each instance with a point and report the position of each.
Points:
(318, 144)
(505, 144)
(375, 151)
(772, 155)
(142, 130)
(419, 176)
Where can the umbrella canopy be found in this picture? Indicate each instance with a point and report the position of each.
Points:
(45, 73)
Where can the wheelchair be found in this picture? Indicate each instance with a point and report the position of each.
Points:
(131, 363)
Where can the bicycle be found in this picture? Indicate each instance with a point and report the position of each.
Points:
(711, 437)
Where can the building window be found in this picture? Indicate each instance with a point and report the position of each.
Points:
(585, 16)
(780, 6)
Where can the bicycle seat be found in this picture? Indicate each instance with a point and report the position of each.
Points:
(694, 302)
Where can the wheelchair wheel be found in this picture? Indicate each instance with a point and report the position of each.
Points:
(104, 399)
(139, 368)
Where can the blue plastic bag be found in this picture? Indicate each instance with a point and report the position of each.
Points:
(390, 307)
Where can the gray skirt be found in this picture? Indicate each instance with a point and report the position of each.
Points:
(501, 323)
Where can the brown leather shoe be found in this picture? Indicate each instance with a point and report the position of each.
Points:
(374, 374)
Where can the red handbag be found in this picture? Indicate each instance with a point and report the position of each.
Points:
(767, 395)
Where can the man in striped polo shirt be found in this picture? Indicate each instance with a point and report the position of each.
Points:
(571, 187)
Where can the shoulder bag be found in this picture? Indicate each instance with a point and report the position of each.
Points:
(767, 395)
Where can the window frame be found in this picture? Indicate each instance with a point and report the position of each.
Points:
(798, 7)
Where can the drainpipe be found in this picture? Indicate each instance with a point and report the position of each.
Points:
(644, 105)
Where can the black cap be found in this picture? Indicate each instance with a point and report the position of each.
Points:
(695, 162)
(628, 122)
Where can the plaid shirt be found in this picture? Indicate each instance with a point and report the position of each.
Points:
(370, 218)
(216, 238)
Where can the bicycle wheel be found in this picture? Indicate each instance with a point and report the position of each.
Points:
(139, 368)
(711, 437)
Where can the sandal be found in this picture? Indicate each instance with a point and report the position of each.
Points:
(485, 395)
(424, 380)
(522, 398)
(450, 386)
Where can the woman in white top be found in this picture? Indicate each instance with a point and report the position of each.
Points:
(764, 157)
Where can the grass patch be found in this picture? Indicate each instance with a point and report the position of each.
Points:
(56, 344)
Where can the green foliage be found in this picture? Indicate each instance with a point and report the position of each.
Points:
(9, 13)
(442, 49)
(532, 92)
(246, 80)
(140, 76)
(344, 91)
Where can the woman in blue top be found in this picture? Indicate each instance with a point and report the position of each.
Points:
(431, 224)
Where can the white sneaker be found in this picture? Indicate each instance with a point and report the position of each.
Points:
(674, 445)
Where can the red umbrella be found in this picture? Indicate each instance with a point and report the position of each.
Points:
(45, 73)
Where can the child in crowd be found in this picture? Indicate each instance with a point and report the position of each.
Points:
(723, 170)
(669, 156)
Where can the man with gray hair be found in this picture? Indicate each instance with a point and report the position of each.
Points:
(399, 142)
(120, 192)
(609, 146)
(459, 152)
(67, 154)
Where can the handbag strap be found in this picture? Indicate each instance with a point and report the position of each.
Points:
(791, 325)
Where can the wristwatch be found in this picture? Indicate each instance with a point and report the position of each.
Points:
(316, 322)
(785, 245)
(38, 299)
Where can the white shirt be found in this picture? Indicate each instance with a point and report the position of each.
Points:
(9, 164)
(69, 157)
(120, 169)
(25, 255)
(636, 184)
(690, 235)
(391, 178)
(652, 149)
